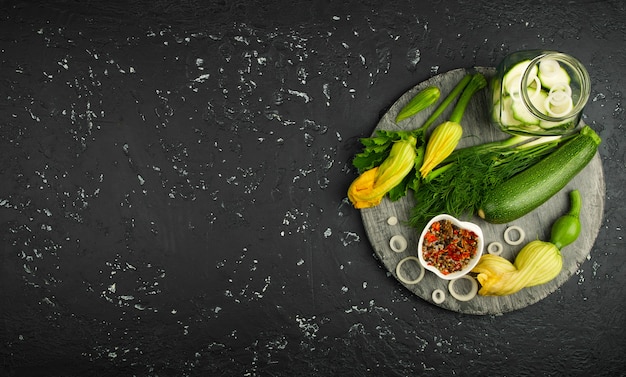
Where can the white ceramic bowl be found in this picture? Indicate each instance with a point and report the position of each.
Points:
(461, 224)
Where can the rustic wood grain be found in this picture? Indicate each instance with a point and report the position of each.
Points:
(590, 183)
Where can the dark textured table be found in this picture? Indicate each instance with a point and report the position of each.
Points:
(174, 175)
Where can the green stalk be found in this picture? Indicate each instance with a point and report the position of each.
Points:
(494, 145)
(539, 140)
(476, 83)
(437, 172)
(456, 91)
(566, 228)
(575, 203)
(513, 144)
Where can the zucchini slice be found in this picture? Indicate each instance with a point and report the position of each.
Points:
(521, 113)
(506, 112)
(512, 79)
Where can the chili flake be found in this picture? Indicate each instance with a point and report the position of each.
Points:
(448, 247)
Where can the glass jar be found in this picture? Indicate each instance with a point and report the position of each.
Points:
(539, 93)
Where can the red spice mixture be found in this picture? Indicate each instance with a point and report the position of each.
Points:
(448, 247)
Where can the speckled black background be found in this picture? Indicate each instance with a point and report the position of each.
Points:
(173, 189)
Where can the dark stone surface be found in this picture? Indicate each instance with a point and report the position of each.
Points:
(173, 189)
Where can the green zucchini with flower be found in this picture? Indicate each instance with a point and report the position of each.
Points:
(538, 262)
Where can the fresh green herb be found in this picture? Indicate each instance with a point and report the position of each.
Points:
(377, 148)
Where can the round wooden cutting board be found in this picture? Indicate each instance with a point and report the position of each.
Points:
(536, 225)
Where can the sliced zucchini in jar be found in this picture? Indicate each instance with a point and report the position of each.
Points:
(546, 124)
(495, 111)
(526, 128)
(506, 112)
(523, 114)
(512, 79)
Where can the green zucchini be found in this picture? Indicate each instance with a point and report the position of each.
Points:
(532, 187)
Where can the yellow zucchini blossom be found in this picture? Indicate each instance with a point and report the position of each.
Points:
(369, 188)
(361, 192)
(446, 136)
(537, 263)
(443, 140)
